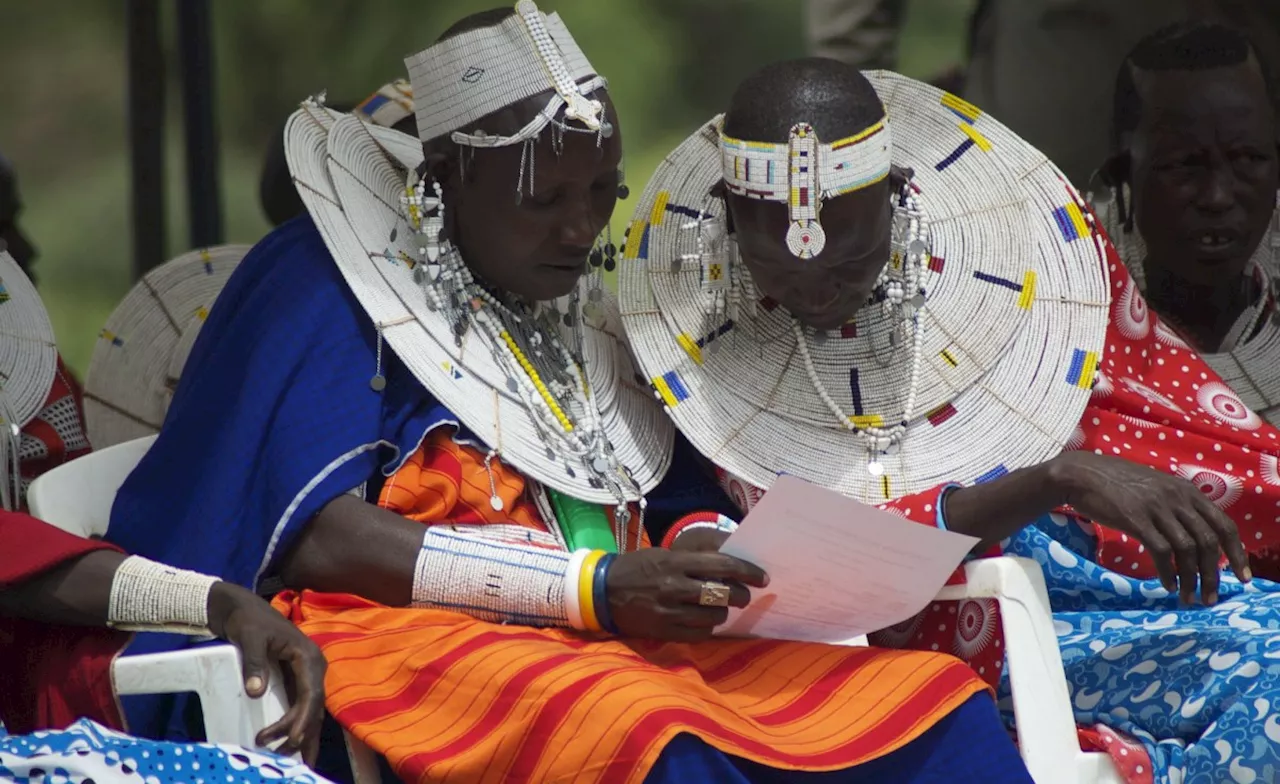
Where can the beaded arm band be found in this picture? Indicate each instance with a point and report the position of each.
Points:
(147, 596)
(696, 520)
(510, 579)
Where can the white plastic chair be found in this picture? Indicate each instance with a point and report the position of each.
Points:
(1042, 710)
(77, 498)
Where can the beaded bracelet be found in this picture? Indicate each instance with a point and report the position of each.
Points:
(586, 591)
(572, 604)
(148, 596)
(696, 520)
(600, 594)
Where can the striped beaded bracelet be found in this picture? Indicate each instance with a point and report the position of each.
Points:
(697, 520)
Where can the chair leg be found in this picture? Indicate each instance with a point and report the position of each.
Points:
(364, 762)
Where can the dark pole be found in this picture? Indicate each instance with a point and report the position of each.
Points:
(146, 134)
(204, 199)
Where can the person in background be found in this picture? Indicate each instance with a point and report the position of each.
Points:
(1042, 66)
(67, 605)
(1191, 198)
(390, 106)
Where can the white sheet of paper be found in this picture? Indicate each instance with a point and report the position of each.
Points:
(837, 568)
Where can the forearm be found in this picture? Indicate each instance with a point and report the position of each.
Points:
(994, 511)
(75, 593)
(497, 573)
(354, 547)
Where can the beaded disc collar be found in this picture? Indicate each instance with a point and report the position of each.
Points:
(976, 357)
(352, 177)
(145, 344)
(1250, 360)
(28, 354)
(28, 364)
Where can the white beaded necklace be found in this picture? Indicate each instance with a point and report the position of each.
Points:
(910, 247)
(546, 374)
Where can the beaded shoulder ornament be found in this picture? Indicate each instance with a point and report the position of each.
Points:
(1249, 358)
(28, 365)
(982, 223)
(546, 386)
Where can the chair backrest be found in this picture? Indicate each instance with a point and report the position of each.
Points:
(77, 496)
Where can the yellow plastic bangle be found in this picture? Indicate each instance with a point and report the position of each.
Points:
(586, 592)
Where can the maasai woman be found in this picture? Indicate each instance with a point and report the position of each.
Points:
(438, 432)
(1192, 199)
(57, 591)
(955, 337)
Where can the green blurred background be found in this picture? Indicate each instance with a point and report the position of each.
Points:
(671, 64)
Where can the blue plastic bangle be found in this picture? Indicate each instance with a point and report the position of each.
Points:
(600, 594)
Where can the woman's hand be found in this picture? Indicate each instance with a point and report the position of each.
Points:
(263, 635)
(699, 540)
(1184, 531)
(654, 593)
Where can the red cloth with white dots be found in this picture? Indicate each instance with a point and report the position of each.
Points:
(1154, 402)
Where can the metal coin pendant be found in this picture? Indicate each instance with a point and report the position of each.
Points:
(378, 383)
(496, 503)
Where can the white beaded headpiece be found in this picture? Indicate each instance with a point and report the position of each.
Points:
(804, 172)
(472, 75)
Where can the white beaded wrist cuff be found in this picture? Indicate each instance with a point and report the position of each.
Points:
(466, 569)
(148, 596)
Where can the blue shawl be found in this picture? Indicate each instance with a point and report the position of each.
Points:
(273, 418)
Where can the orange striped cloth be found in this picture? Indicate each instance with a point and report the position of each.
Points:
(447, 698)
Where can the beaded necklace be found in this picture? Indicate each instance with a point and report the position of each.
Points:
(899, 284)
(526, 340)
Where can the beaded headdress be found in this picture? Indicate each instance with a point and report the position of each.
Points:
(469, 76)
(28, 365)
(974, 357)
(804, 172)
(144, 345)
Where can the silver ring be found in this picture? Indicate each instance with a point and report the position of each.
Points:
(714, 594)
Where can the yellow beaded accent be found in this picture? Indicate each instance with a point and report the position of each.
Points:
(537, 382)
(586, 592)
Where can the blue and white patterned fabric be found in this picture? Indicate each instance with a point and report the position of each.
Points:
(1199, 687)
(88, 753)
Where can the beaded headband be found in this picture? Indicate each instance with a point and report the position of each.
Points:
(472, 75)
(804, 172)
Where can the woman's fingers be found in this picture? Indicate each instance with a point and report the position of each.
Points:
(726, 568)
(1228, 537)
(1209, 552)
(1186, 553)
(1162, 556)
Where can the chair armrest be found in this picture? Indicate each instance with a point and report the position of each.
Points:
(1041, 702)
(213, 673)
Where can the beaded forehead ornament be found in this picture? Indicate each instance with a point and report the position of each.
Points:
(804, 172)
